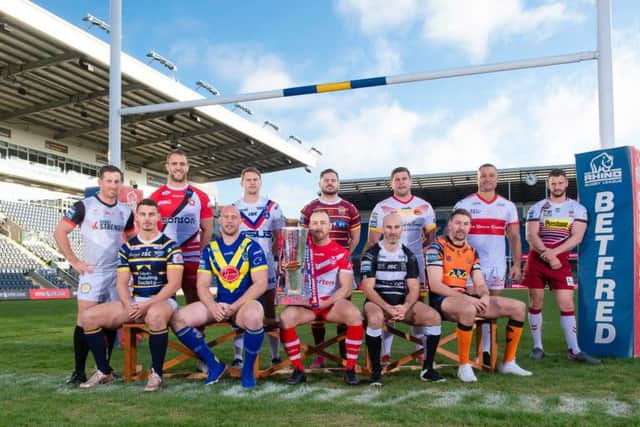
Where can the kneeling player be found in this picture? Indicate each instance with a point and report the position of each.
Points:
(391, 286)
(333, 276)
(155, 263)
(240, 268)
(450, 260)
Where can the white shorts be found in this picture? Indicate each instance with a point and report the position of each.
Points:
(98, 287)
(494, 276)
(172, 302)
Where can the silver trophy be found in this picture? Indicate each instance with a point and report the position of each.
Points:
(297, 284)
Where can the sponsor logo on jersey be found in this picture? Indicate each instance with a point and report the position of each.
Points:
(602, 171)
(557, 224)
(458, 273)
(179, 220)
(229, 273)
(365, 267)
(164, 202)
(339, 224)
(474, 211)
(107, 225)
(165, 193)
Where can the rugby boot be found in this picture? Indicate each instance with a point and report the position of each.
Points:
(154, 382)
(216, 371)
(97, 378)
(375, 380)
(297, 377)
(582, 357)
(465, 374)
(77, 378)
(350, 377)
(431, 375)
(536, 354)
(512, 368)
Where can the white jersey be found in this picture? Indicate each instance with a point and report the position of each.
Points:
(101, 227)
(489, 220)
(556, 220)
(260, 221)
(416, 215)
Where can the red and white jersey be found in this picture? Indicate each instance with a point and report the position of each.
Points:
(416, 215)
(181, 210)
(556, 220)
(329, 260)
(489, 220)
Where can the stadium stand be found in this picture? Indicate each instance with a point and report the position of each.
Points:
(14, 279)
(43, 250)
(50, 275)
(15, 257)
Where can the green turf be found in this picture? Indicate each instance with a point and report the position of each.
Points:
(36, 357)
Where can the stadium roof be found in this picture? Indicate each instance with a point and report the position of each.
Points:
(56, 76)
(445, 189)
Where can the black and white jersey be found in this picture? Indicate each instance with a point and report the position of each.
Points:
(391, 271)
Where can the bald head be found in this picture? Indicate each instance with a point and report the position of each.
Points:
(392, 229)
(230, 221)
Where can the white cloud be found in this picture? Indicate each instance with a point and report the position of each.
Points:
(379, 15)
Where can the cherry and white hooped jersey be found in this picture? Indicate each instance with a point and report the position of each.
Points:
(416, 214)
(329, 260)
(183, 226)
(556, 220)
(260, 222)
(489, 221)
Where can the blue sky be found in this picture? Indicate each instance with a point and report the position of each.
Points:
(523, 118)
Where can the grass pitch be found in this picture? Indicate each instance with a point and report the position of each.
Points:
(36, 357)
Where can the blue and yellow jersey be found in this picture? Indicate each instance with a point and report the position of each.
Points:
(232, 265)
(148, 263)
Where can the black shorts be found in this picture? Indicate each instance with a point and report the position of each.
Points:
(435, 301)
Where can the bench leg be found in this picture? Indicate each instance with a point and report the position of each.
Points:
(130, 352)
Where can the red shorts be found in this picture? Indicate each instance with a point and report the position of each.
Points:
(321, 313)
(190, 274)
(537, 273)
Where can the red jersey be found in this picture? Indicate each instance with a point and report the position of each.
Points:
(329, 260)
(343, 214)
(181, 210)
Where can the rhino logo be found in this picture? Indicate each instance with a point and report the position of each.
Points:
(601, 163)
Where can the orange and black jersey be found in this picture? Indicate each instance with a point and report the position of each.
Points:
(457, 262)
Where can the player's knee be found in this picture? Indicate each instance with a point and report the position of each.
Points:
(287, 319)
(518, 310)
(354, 317)
(155, 319)
(89, 320)
(252, 315)
(375, 319)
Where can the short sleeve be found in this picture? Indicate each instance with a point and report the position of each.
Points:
(512, 214)
(368, 264)
(375, 220)
(75, 214)
(206, 211)
(581, 213)
(413, 269)
(123, 257)
(174, 257)
(434, 255)
(257, 259)
(354, 220)
(205, 260)
(534, 212)
(278, 217)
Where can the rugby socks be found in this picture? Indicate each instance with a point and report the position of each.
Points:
(373, 340)
(486, 337)
(418, 332)
(352, 344)
(238, 345)
(97, 344)
(387, 340)
(512, 337)
(535, 324)
(80, 349)
(110, 337)
(432, 341)
(291, 343)
(193, 339)
(252, 342)
(158, 341)
(464, 334)
(568, 323)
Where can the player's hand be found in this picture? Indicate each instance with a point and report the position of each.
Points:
(401, 312)
(481, 304)
(82, 267)
(229, 309)
(553, 261)
(217, 311)
(134, 311)
(515, 273)
(324, 303)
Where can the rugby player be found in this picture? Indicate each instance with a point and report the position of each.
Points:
(391, 288)
(333, 278)
(493, 216)
(102, 220)
(262, 220)
(450, 262)
(555, 225)
(418, 220)
(240, 268)
(154, 262)
(345, 230)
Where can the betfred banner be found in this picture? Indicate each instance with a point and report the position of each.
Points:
(49, 293)
(608, 324)
(14, 294)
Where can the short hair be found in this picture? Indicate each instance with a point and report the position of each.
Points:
(146, 202)
(321, 211)
(400, 169)
(329, 170)
(487, 165)
(459, 211)
(176, 151)
(557, 172)
(250, 169)
(110, 169)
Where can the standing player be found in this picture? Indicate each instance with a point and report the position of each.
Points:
(102, 220)
(333, 276)
(418, 219)
(391, 287)
(155, 263)
(187, 218)
(450, 262)
(240, 268)
(345, 230)
(554, 226)
(492, 216)
(262, 220)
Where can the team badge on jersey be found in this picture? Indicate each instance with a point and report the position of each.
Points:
(458, 273)
(229, 273)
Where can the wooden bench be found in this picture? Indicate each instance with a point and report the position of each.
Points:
(476, 362)
(132, 332)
